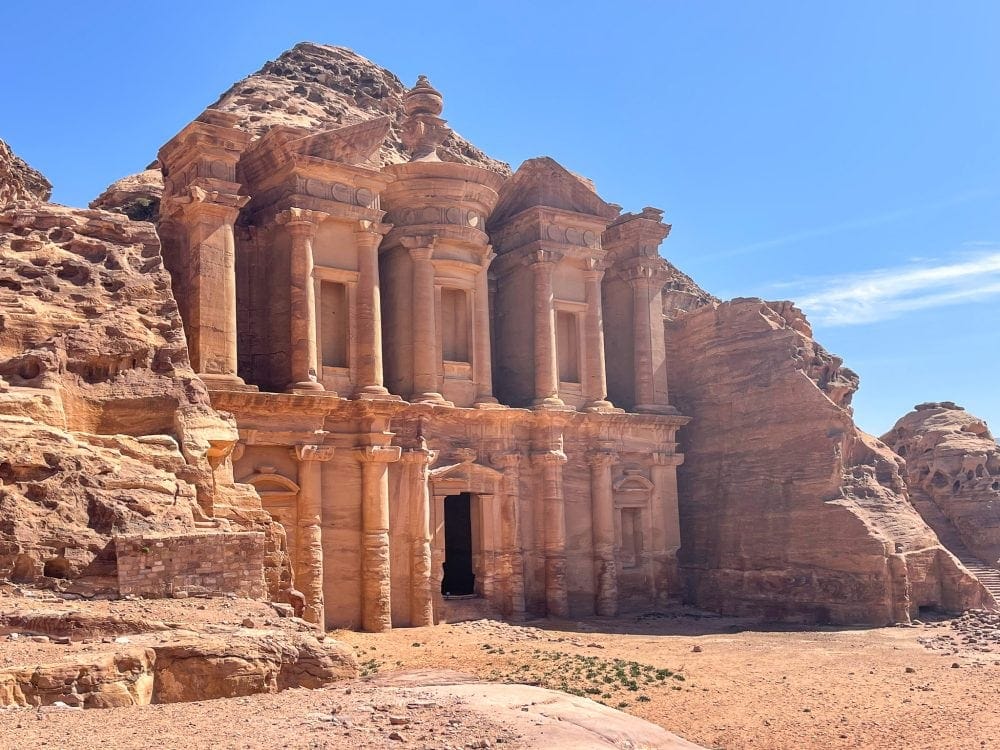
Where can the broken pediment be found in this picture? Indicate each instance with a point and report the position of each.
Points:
(543, 182)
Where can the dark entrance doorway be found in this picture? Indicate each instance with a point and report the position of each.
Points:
(459, 580)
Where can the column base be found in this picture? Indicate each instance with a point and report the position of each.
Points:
(224, 382)
(487, 402)
(376, 393)
(601, 405)
(549, 402)
(306, 385)
(431, 398)
(655, 409)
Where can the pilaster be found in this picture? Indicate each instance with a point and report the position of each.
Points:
(302, 226)
(542, 264)
(418, 462)
(549, 465)
(603, 530)
(376, 588)
(309, 571)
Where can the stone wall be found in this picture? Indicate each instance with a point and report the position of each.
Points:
(160, 566)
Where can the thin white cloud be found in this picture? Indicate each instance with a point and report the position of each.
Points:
(887, 293)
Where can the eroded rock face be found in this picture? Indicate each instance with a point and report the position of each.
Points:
(188, 669)
(135, 195)
(106, 428)
(952, 459)
(205, 668)
(321, 87)
(787, 509)
(18, 181)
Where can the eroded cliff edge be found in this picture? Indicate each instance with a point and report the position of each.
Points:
(953, 473)
(104, 427)
(788, 510)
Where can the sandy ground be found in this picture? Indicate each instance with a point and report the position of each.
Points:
(747, 687)
(719, 682)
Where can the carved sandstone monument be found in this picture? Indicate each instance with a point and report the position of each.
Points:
(418, 377)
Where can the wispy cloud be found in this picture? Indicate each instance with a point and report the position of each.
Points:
(887, 293)
(866, 222)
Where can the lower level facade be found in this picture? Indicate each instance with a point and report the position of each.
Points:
(392, 509)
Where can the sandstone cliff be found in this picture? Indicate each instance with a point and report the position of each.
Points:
(18, 181)
(136, 195)
(313, 86)
(953, 462)
(105, 428)
(788, 510)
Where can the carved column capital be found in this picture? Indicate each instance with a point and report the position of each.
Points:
(602, 458)
(370, 232)
(383, 454)
(301, 221)
(306, 452)
(548, 458)
(666, 459)
(421, 247)
(420, 456)
(542, 259)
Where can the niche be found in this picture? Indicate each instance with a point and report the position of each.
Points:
(334, 323)
(568, 346)
(455, 325)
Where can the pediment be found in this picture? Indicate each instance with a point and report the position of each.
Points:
(354, 144)
(465, 477)
(544, 182)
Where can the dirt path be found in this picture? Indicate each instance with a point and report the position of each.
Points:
(724, 684)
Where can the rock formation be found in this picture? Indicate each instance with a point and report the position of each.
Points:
(319, 87)
(953, 464)
(18, 181)
(136, 195)
(106, 429)
(788, 510)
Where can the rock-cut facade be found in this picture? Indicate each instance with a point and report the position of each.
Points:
(448, 383)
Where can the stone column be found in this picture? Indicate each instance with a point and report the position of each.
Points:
(650, 345)
(211, 281)
(302, 226)
(418, 462)
(482, 361)
(376, 584)
(426, 357)
(512, 556)
(550, 464)
(546, 363)
(603, 527)
(309, 568)
(596, 387)
(666, 524)
(369, 371)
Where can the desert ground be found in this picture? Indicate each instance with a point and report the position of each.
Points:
(718, 682)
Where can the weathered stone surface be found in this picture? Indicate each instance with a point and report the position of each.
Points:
(190, 668)
(204, 668)
(320, 87)
(106, 428)
(121, 678)
(953, 460)
(787, 509)
(18, 181)
(135, 195)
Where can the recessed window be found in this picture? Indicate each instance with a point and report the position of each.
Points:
(568, 346)
(333, 323)
(455, 325)
(631, 549)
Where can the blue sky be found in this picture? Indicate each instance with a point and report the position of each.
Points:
(841, 154)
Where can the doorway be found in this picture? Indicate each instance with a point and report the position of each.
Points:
(459, 580)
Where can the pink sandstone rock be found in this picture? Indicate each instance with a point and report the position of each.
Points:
(788, 510)
(953, 462)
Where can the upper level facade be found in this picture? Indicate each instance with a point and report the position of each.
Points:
(301, 264)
